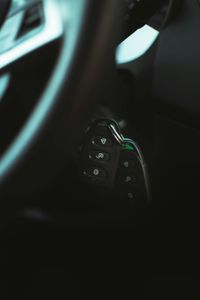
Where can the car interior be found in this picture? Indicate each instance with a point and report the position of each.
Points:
(99, 150)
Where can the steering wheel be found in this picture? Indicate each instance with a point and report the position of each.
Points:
(87, 31)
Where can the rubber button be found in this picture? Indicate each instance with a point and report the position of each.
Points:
(95, 172)
(128, 179)
(127, 164)
(102, 141)
(99, 156)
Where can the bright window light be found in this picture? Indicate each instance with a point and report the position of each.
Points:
(136, 44)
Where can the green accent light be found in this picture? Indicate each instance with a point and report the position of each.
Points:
(128, 147)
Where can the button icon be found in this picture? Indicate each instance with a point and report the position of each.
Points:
(130, 196)
(103, 141)
(100, 155)
(126, 164)
(128, 179)
(96, 172)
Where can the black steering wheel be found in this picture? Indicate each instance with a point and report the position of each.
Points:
(88, 32)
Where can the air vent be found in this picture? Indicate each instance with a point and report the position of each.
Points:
(33, 19)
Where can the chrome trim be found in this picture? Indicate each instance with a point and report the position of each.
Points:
(123, 141)
(143, 165)
(118, 137)
(50, 31)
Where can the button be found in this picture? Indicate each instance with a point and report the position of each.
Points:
(127, 164)
(95, 172)
(102, 141)
(130, 196)
(128, 179)
(98, 155)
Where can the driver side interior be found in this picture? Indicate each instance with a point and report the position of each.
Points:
(71, 226)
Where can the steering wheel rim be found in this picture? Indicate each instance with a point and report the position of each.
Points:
(30, 129)
(79, 17)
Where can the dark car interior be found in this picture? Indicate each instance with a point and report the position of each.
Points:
(99, 160)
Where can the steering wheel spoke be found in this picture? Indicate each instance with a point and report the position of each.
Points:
(29, 26)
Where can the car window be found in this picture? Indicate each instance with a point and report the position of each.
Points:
(136, 44)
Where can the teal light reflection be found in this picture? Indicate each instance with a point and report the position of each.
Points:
(4, 82)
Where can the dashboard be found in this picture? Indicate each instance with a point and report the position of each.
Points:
(28, 27)
(23, 18)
